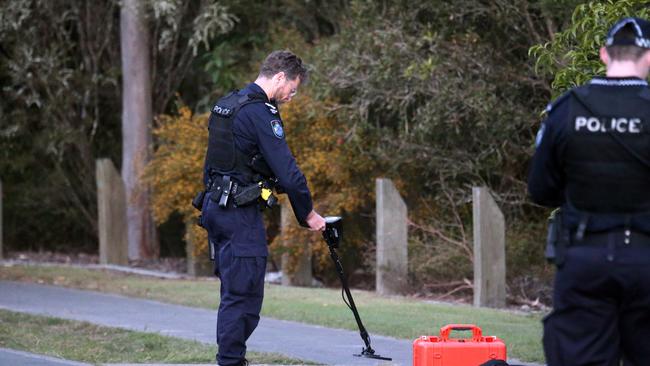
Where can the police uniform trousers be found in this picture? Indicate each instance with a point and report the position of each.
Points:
(601, 304)
(239, 237)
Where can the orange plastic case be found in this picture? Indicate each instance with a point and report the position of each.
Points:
(444, 351)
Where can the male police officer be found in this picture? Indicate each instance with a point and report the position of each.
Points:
(593, 160)
(245, 126)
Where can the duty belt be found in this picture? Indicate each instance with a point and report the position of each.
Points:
(620, 238)
(232, 194)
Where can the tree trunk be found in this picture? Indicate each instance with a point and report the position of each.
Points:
(136, 128)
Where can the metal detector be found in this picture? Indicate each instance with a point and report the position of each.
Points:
(332, 236)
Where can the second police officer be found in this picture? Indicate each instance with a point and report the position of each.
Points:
(593, 160)
(245, 126)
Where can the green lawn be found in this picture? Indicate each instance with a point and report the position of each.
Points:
(398, 317)
(85, 342)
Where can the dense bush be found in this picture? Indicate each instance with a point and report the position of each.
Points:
(441, 98)
(437, 96)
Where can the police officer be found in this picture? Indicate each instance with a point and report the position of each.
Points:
(246, 125)
(593, 160)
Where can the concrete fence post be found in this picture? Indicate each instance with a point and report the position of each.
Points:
(392, 239)
(111, 206)
(489, 250)
(198, 264)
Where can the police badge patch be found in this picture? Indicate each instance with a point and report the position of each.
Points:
(276, 126)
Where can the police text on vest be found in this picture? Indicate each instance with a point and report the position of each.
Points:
(607, 124)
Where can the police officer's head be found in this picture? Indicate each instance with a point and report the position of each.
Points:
(628, 41)
(283, 71)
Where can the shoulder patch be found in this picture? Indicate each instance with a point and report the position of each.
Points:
(540, 135)
(276, 126)
(273, 109)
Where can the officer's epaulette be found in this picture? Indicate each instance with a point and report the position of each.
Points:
(272, 108)
(557, 101)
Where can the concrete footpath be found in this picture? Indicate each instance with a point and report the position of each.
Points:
(293, 339)
(19, 358)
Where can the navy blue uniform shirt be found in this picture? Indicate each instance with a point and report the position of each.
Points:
(257, 128)
(547, 178)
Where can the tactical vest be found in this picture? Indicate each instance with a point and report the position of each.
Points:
(222, 157)
(607, 156)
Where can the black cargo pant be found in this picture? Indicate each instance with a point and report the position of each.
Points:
(240, 241)
(601, 304)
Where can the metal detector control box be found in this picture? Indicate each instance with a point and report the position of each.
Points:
(442, 350)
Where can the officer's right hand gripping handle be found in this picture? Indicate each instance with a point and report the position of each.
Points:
(315, 221)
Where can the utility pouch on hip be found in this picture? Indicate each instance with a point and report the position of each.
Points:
(552, 236)
(226, 188)
(248, 195)
(212, 250)
(197, 202)
(557, 239)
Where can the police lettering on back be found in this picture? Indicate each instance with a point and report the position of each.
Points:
(594, 162)
(607, 124)
(221, 110)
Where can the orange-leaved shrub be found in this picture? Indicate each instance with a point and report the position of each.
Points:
(175, 172)
(335, 175)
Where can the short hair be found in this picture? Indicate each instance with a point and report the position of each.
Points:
(284, 61)
(627, 52)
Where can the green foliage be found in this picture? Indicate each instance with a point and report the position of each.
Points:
(60, 107)
(438, 96)
(571, 57)
(85, 342)
(442, 98)
(182, 31)
(57, 114)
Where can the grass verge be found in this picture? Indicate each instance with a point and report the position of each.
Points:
(397, 316)
(85, 342)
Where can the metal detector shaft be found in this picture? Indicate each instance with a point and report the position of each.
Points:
(332, 236)
(346, 288)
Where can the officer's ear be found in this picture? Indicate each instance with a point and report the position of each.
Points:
(279, 77)
(604, 56)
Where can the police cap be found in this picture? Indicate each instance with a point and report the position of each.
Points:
(640, 28)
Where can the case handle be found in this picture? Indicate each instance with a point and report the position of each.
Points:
(477, 333)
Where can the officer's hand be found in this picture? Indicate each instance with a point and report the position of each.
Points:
(315, 221)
